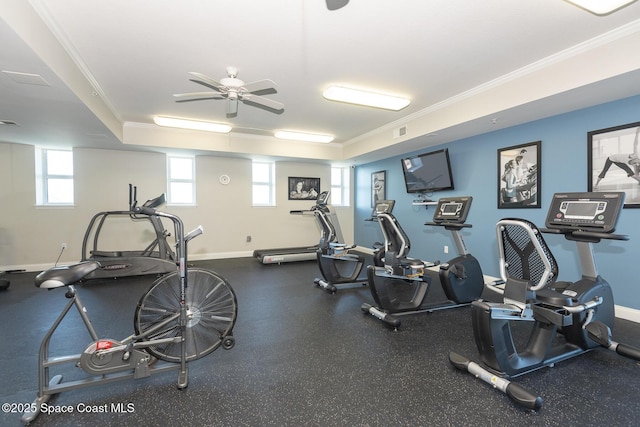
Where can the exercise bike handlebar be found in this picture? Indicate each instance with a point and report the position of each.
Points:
(585, 235)
(450, 225)
(596, 301)
(181, 238)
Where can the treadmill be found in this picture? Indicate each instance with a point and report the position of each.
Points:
(302, 253)
(278, 256)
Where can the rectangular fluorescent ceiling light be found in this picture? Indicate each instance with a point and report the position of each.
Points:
(601, 7)
(303, 136)
(362, 97)
(191, 124)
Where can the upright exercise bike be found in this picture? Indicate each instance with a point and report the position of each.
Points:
(400, 286)
(567, 318)
(337, 266)
(185, 315)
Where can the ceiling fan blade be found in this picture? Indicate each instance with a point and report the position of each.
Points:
(198, 96)
(217, 95)
(259, 85)
(261, 100)
(336, 4)
(232, 107)
(206, 81)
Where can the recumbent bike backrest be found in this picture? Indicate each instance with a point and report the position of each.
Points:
(526, 263)
(396, 241)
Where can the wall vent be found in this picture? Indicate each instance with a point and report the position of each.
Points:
(399, 132)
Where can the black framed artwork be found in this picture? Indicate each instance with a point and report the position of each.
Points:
(378, 187)
(519, 176)
(613, 163)
(303, 188)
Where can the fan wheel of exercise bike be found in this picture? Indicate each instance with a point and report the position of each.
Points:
(211, 314)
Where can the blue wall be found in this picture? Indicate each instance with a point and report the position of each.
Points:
(473, 160)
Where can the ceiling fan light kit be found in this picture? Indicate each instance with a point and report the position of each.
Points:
(303, 136)
(192, 124)
(366, 98)
(601, 7)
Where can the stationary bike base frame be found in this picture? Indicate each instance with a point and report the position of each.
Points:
(47, 387)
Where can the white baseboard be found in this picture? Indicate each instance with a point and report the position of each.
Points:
(221, 255)
(627, 313)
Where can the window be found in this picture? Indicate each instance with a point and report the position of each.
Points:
(182, 180)
(340, 186)
(263, 189)
(54, 177)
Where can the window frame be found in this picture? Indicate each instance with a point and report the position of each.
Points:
(43, 197)
(270, 184)
(343, 186)
(192, 180)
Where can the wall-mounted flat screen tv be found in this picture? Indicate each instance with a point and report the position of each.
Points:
(428, 172)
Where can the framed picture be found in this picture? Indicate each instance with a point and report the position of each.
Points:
(519, 176)
(303, 188)
(613, 163)
(378, 187)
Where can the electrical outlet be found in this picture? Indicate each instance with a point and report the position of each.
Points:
(446, 249)
(248, 239)
(63, 246)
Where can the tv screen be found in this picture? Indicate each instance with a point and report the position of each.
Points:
(428, 172)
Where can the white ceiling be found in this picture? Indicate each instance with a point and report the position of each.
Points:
(469, 66)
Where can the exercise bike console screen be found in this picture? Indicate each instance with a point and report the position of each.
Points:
(382, 206)
(323, 198)
(452, 209)
(591, 211)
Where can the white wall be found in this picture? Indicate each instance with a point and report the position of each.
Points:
(31, 236)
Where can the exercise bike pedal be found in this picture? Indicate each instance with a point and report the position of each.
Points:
(600, 333)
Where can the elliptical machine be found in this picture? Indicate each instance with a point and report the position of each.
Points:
(582, 311)
(336, 264)
(400, 286)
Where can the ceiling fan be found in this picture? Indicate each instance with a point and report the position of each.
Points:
(336, 4)
(233, 90)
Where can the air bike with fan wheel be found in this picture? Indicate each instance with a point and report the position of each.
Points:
(566, 318)
(400, 286)
(337, 266)
(185, 315)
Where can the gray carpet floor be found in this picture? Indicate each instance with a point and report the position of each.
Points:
(303, 358)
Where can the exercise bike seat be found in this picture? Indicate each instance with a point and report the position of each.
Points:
(66, 275)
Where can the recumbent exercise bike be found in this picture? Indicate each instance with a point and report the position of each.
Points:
(400, 286)
(185, 315)
(338, 267)
(567, 318)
